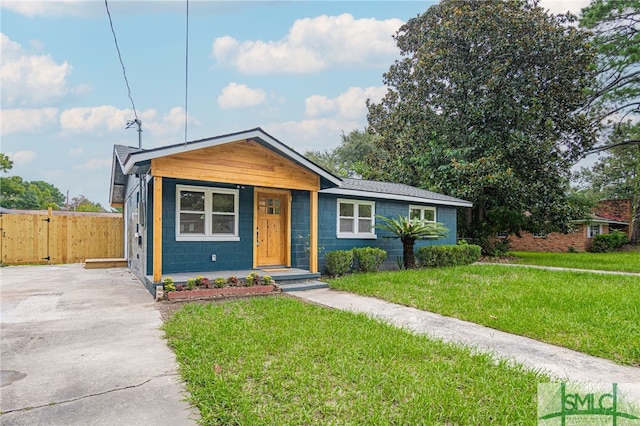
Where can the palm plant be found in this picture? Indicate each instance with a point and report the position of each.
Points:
(410, 230)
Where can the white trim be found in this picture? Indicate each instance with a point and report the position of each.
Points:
(422, 210)
(589, 233)
(371, 235)
(147, 155)
(208, 212)
(397, 197)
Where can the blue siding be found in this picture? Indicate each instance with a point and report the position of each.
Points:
(328, 210)
(195, 256)
(300, 228)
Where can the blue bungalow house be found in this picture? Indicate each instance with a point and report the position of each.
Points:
(246, 201)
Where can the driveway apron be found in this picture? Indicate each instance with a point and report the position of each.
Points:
(83, 347)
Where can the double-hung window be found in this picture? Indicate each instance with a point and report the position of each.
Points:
(356, 219)
(426, 214)
(593, 230)
(206, 214)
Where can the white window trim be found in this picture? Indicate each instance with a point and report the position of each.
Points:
(422, 210)
(370, 234)
(208, 206)
(589, 234)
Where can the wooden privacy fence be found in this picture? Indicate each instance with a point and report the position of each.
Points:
(42, 237)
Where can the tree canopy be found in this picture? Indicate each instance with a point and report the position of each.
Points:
(485, 104)
(615, 96)
(346, 160)
(16, 193)
(615, 100)
(5, 163)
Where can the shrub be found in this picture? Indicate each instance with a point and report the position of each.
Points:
(339, 262)
(252, 279)
(219, 282)
(267, 280)
(448, 255)
(169, 285)
(191, 283)
(495, 247)
(369, 259)
(233, 281)
(606, 243)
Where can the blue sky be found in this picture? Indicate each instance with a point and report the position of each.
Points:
(301, 70)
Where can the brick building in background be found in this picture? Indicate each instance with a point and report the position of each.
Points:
(607, 215)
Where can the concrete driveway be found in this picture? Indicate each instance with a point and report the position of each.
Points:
(83, 347)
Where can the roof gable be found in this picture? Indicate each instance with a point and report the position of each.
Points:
(276, 160)
(242, 162)
(139, 162)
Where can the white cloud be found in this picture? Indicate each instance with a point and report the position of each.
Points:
(29, 79)
(169, 128)
(21, 157)
(26, 120)
(157, 130)
(94, 163)
(86, 119)
(313, 44)
(33, 8)
(76, 151)
(240, 96)
(563, 6)
(350, 104)
(309, 135)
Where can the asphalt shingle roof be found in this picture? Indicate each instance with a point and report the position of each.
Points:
(395, 189)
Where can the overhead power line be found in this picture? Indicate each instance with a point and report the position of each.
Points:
(124, 72)
(186, 77)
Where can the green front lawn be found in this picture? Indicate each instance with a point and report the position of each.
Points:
(592, 313)
(279, 361)
(628, 261)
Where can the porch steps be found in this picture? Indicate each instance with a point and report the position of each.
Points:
(105, 263)
(301, 286)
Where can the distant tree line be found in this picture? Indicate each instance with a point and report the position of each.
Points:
(16, 193)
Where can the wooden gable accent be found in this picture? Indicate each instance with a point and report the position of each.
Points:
(244, 162)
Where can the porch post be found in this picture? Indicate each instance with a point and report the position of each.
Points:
(313, 234)
(157, 229)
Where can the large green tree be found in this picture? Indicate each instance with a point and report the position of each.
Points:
(16, 193)
(347, 159)
(616, 174)
(615, 96)
(485, 105)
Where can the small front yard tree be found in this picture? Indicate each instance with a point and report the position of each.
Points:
(410, 230)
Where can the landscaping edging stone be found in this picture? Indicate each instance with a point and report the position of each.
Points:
(221, 292)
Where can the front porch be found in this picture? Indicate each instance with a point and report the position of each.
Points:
(289, 279)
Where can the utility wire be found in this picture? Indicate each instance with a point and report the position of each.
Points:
(186, 77)
(124, 72)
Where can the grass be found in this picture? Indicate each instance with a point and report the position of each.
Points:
(628, 261)
(280, 361)
(592, 313)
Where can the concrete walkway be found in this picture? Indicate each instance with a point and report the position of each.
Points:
(83, 347)
(564, 364)
(557, 268)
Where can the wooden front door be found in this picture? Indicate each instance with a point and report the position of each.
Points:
(271, 228)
